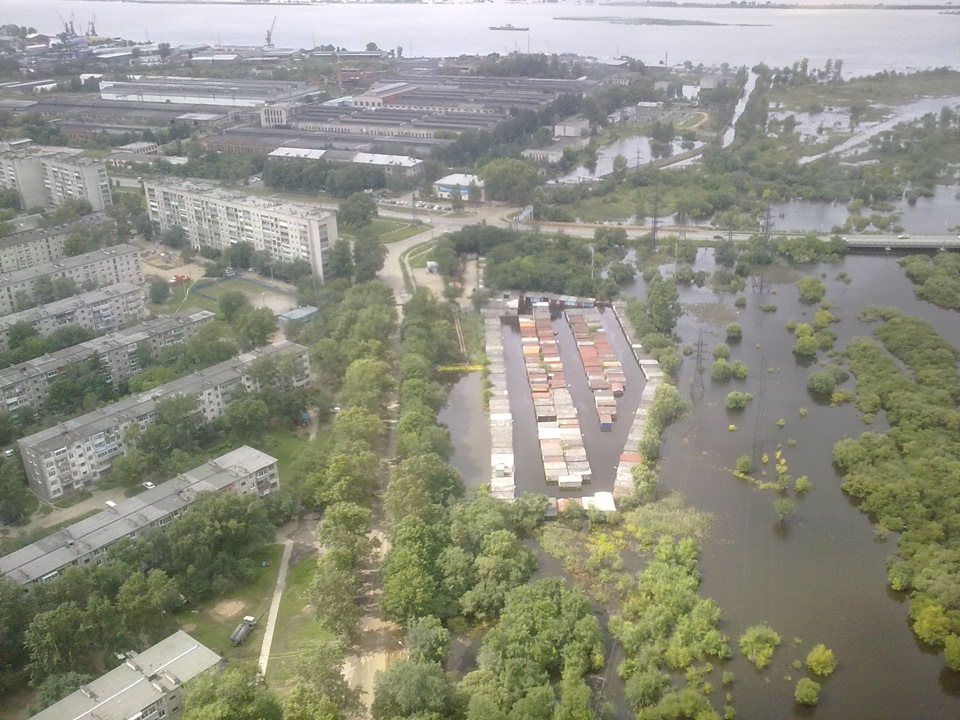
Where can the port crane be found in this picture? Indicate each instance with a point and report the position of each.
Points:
(269, 42)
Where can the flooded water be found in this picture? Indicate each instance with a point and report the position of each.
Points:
(636, 150)
(821, 576)
(929, 216)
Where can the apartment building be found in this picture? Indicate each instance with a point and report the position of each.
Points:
(43, 245)
(76, 453)
(106, 309)
(46, 177)
(27, 384)
(216, 217)
(108, 266)
(242, 471)
(147, 686)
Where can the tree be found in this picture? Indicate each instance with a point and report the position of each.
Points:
(232, 304)
(237, 693)
(143, 599)
(341, 259)
(15, 497)
(321, 692)
(408, 688)
(333, 593)
(821, 382)
(369, 254)
(159, 291)
(239, 255)
(510, 180)
(820, 660)
(357, 210)
(784, 508)
(54, 688)
(758, 643)
(663, 304)
(254, 328)
(807, 692)
(54, 640)
(174, 237)
(811, 290)
(427, 639)
(246, 418)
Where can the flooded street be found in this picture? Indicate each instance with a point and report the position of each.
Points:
(818, 577)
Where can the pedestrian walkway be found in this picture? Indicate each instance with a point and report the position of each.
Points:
(275, 605)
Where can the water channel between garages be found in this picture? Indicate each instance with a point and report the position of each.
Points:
(821, 576)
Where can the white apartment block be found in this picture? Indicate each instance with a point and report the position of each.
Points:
(76, 453)
(216, 217)
(47, 177)
(147, 686)
(108, 266)
(27, 384)
(242, 471)
(35, 247)
(103, 310)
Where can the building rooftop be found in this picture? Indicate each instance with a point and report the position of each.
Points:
(67, 546)
(61, 307)
(459, 179)
(138, 683)
(26, 236)
(139, 406)
(67, 263)
(236, 197)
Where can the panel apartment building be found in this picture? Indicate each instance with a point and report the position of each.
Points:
(242, 471)
(45, 177)
(108, 266)
(218, 218)
(147, 686)
(102, 310)
(43, 245)
(27, 384)
(76, 453)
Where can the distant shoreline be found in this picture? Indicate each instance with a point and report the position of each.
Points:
(733, 5)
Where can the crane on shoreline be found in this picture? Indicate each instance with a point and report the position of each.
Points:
(269, 42)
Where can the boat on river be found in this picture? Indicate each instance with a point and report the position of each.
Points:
(509, 27)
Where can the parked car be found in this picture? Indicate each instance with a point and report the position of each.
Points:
(903, 236)
(149, 485)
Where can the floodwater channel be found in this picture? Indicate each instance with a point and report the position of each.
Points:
(818, 577)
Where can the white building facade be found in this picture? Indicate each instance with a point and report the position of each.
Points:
(215, 217)
(78, 452)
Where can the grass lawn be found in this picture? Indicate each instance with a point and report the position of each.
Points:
(212, 622)
(395, 230)
(176, 300)
(296, 630)
(284, 445)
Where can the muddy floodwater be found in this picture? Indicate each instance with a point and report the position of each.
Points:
(820, 577)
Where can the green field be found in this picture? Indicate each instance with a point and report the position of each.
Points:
(212, 622)
(176, 302)
(390, 231)
(296, 630)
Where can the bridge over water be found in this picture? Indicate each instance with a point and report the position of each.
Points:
(894, 242)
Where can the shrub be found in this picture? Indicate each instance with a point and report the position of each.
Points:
(802, 484)
(791, 325)
(721, 370)
(758, 643)
(811, 290)
(740, 301)
(739, 370)
(721, 350)
(806, 346)
(821, 382)
(951, 651)
(769, 307)
(737, 400)
(734, 332)
(807, 692)
(820, 660)
(744, 465)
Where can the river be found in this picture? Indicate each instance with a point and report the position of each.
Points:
(869, 40)
(820, 577)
